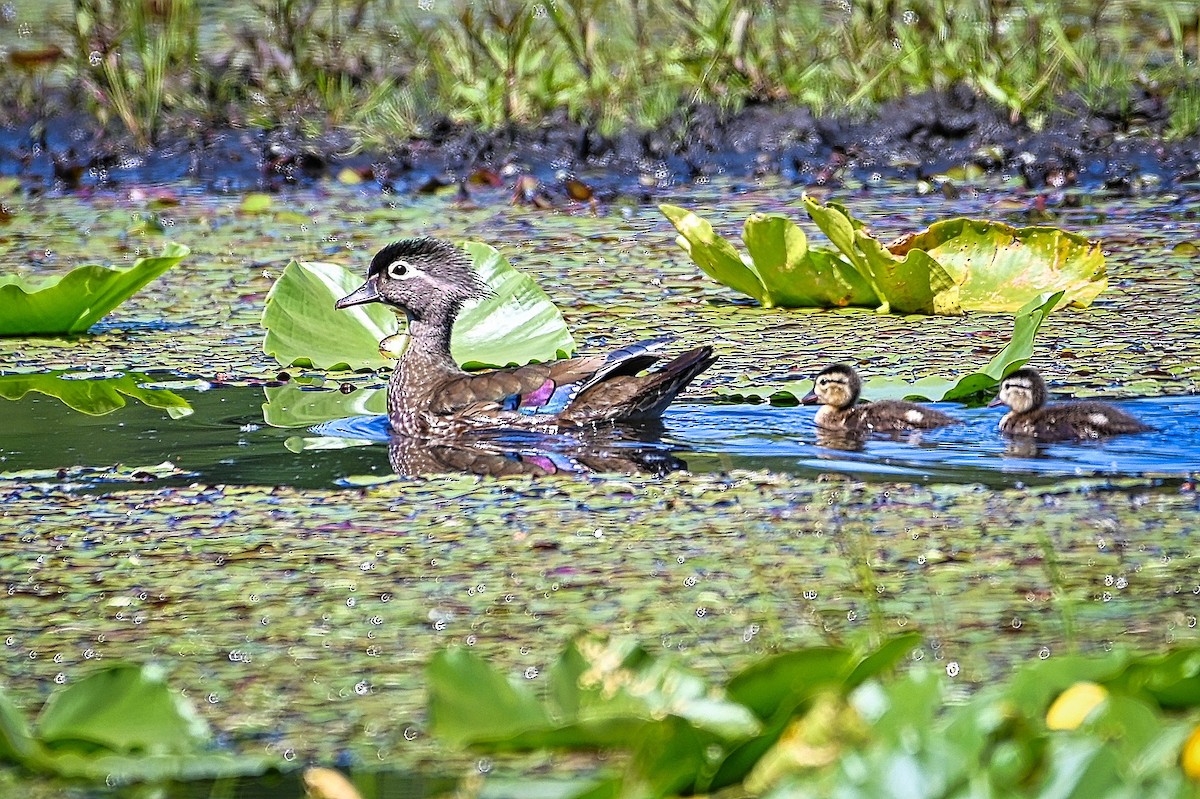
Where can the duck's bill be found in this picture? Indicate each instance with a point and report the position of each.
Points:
(809, 399)
(995, 403)
(365, 293)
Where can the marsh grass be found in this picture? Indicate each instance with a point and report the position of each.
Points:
(611, 66)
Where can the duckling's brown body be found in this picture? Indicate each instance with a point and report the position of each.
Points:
(430, 395)
(838, 388)
(1024, 392)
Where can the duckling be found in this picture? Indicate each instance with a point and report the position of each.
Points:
(1024, 392)
(837, 387)
(429, 281)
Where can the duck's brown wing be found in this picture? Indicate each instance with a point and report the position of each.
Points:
(630, 397)
(543, 388)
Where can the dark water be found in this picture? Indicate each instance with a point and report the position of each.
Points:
(227, 440)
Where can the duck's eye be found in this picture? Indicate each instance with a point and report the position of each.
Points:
(400, 269)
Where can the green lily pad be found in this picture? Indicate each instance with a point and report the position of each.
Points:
(799, 277)
(122, 724)
(85, 295)
(984, 382)
(1000, 268)
(516, 325)
(715, 256)
(95, 396)
(954, 266)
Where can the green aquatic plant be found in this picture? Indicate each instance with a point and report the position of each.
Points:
(122, 724)
(825, 721)
(85, 295)
(516, 324)
(684, 735)
(971, 388)
(95, 395)
(953, 266)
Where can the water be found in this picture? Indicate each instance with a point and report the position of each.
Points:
(229, 439)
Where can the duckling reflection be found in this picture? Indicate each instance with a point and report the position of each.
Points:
(524, 453)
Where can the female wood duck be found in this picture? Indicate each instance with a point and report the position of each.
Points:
(430, 280)
(837, 388)
(1024, 392)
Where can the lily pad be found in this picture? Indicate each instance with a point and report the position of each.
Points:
(518, 324)
(121, 724)
(715, 256)
(95, 396)
(953, 266)
(85, 295)
(1000, 267)
(799, 277)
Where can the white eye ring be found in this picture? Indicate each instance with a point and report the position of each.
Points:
(401, 269)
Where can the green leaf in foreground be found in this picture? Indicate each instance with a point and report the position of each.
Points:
(518, 324)
(78, 300)
(118, 725)
(95, 396)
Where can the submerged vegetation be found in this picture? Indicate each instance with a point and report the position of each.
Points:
(954, 266)
(387, 71)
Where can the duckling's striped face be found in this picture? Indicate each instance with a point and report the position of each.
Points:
(838, 386)
(1023, 391)
(425, 278)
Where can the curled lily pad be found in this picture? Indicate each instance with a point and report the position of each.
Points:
(76, 301)
(1000, 268)
(953, 266)
(797, 276)
(516, 325)
(715, 256)
(95, 396)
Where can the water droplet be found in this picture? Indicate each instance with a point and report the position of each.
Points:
(952, 668)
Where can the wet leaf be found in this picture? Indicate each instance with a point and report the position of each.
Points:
(79, 299)
(95, 396)
(516, 324)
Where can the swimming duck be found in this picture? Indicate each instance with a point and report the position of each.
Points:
(1024, 392)
(429, 281)
(837, 388)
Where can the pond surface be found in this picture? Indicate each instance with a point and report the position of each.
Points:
(268, 556)
(229, 439)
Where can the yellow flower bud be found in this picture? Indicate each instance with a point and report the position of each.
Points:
(1074, 705)
(1190, 758)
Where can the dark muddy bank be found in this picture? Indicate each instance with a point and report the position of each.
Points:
(913, 138)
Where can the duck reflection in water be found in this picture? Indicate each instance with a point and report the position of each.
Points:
(507, 453)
